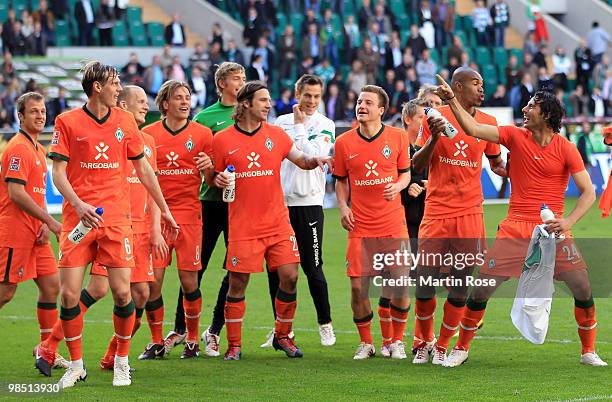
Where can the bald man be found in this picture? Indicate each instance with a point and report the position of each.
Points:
(453, 222)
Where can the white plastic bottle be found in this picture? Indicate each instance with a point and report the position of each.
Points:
(449, 130)
(78, 233)
(545, 213)
(229, 192)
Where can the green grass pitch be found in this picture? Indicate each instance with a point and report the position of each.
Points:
(502, 366)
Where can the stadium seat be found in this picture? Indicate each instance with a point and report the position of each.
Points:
(138, 35)
(397, 7)
(464, 39)
(133, 14)
(19, 6)
(155, 31)
(518, 53)
(403, 20)
(483, 56)
(296, 21)
(349, 8)
(444, 55)
(282, 21)
(120, 37)
(466, 23)
(489, 88)
(500, 56)
(435, 57)
(489, 73)
(3, 10)
(35, 5)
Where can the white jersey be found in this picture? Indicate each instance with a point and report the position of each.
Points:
(315, 138)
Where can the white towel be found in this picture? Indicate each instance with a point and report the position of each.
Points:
(531, 308)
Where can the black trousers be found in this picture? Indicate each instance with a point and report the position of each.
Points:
(307, 223)
(214, 222)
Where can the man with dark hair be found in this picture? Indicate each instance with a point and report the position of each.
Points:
(598, 40)
(542, 162)
(372, 162)
(90, 149)
(256, 150)
(304, 191)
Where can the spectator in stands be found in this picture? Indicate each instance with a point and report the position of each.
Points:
(378, 39)
(311, 44)
(600, 70)
(352, 38)
(545, 83)
(120, 7)
(166, 57)
(500, 14)
(584, 143)
(309, 20)
(234, 54)
(598, 106)
(7, 29)
(561, 67)
(400, 95)
(584, 63)
(200, 58)
(256, 71)
(529, 45)
(383, 21)
(444, 22)
(306, 66)
(427, 29)
(393, 53)
(401, 71)
(314, 5)
(131, 76)
(453, 64)
(287, 48)
(268, 57)
(58, 105)
(37, 42)
(216, 56)
(27, 24)
(412, 83)
(133, 60)
(606, 92)
(197, 82)
(176, 70)
(175, 32)
(598, 40)
(455, 49)
(527, 90)
(85, 18)
(579, 101)
(325, 71)
(540, 57)
(388, 83)
(17, 44)
(537, 25)
(154, 76)
(370, 59)
(499, 98)
(47, 21)
(284, 104)
(5, 119)
(105, 20)
(216, 36)
(253, 27)
(415, 42)
(481, 21)
(329, 37)
(529, 66)
(465, 60)
(426, 69)
(364, 15)
(8, 69)
(333, 103)
(357, 77)
(60, 8)
(349, 106)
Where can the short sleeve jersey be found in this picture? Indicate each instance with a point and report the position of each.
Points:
(139, 195)
(97, 153)
(23, 162)
(370, 164)
(538, 174)
(179, 177)
(216, 117)
(258, 209)
(454, 187)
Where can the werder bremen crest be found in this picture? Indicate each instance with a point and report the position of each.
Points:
(119, 134)
(189, 145)
(386, 151)
(269, 144)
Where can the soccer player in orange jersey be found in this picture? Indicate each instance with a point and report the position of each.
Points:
(453, 222)
(372, 162)
(542, 163)
(90, 149)
(183, 147)
(259, 224)
(25, 252)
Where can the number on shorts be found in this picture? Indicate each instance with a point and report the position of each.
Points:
(128, 247)
(197, 256)
(294, 240)
(571, 252)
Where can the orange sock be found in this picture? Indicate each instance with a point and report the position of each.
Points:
(453, 313)
(192, 304)
(285, 304)
(155, 318)
(424, 320)
(234, 312)
(384, 316)
(47, 318)
(123, 321)
(111, 350)
(584, 312)
(399, 316)
(72, 324)
(473, 314)
(364, 327)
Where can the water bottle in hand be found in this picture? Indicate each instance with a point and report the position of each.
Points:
(449, 130)
(78, 233)
(229, 192)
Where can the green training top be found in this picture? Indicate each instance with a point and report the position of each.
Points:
(216, 117)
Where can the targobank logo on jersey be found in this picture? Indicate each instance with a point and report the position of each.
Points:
(460, 151)
(371, 167)
(100, 159)
(172, 159)
(119, 134)
(172, 166)
(254, 162)
(373, 173)
(101, 148)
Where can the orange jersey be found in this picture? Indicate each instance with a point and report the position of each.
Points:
(370, 164)
(454, 187)
(259, 207)
(97, 152)
(538, 174)
(139, 195)
(179, 177)
(23, 162)
(607, 134)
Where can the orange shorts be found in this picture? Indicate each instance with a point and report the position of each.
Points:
(509, 250)
(20, 264)
(143, 263)
(111, 246)
(188, 249)
(456, 235)
(247, 256)
(362, 254)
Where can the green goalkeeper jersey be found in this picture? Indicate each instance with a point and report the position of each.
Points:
(216, 117)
